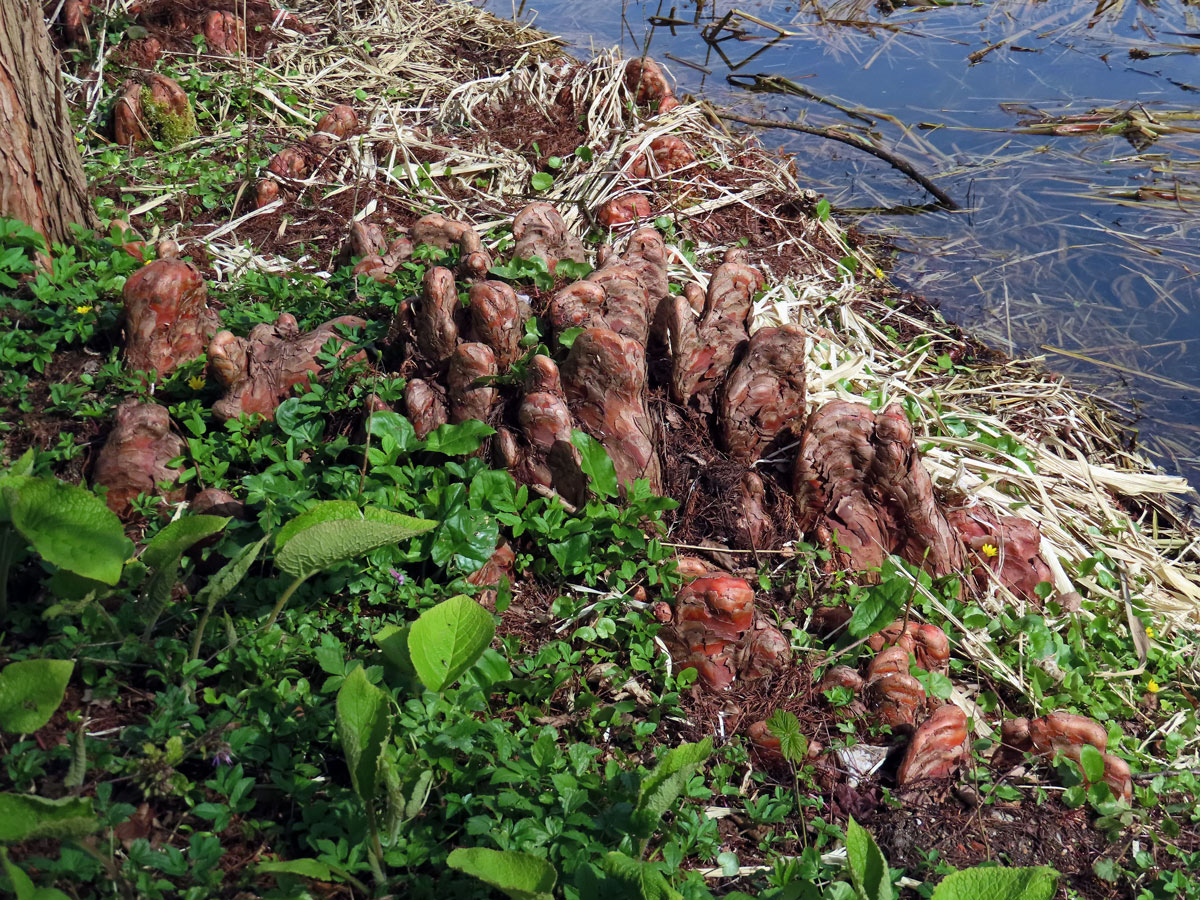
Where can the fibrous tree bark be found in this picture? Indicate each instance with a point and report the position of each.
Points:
(41, 174)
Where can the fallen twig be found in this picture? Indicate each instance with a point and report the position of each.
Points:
(944, 199)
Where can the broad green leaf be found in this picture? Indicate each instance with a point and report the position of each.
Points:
(300, 421)
(868, 869)
(327, 543)
(792, 744)
(23, 886)
(392, 641)
(387, 424)
(1074, 796)
(493, 489)
(327, 511)
(571, 554)
(68, 586)
(662, 786)
(520, 876)
(1091, 761)
(879, 606)
(567, 336)
(69, 527)
(447, 639)
(30, 692)
(596, 463)
(24, 817)
(491, 669)
(163, 555)
(571, 270)
(458, 440)
(1106, 870)
(305, 868)
(640, 879)
(178, 537)
(363, 724)
(997, 883)
(467, 537)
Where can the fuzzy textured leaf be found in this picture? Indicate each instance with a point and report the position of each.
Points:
(327, 511)
(30, 691)
(230, 575)
(868, 868)
(178, 537)
(25, 817)
(640, 879)
(327, 543)
(305, 868)
(998, 883)
(663, 785)
(363, 724)
(520, 876)
(446, 640)
(68, 526)
(406, 797)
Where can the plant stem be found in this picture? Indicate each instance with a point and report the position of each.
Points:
(799, 805)
(282, 602)
(375, 848)
(200, 627)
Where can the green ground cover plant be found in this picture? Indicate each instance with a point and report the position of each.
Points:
(310, 700)
(266, 650)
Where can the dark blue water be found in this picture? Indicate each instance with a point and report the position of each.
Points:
(1083, 243)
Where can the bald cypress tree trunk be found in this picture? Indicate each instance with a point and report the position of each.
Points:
(41, 173)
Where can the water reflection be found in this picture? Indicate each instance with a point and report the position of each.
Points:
(1069, 133)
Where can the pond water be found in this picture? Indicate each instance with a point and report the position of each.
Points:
(1069, 132)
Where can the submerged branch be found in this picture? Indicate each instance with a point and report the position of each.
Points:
(896, 162)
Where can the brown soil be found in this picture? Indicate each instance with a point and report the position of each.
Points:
(41, 428)
(176, 22)
(524, 122)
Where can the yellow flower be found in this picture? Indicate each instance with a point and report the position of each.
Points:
(1150, 633)
(82, 310)
(196, 382)
(1152, 686)
(989, 550)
